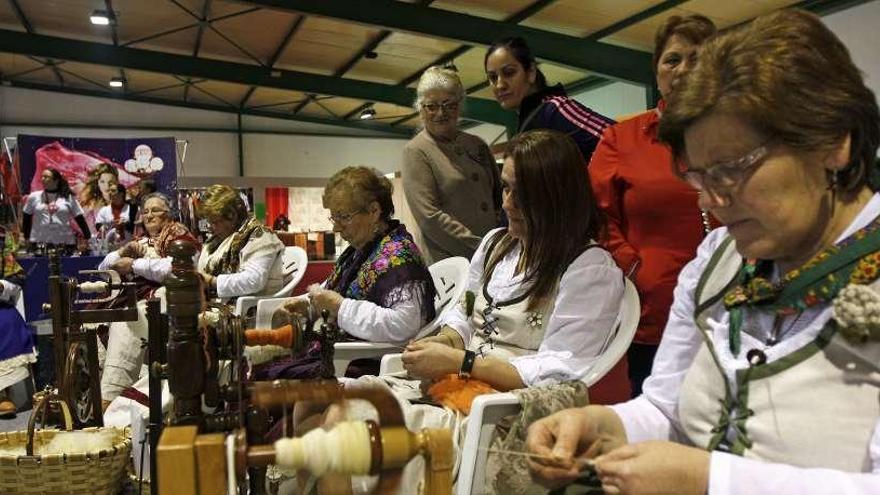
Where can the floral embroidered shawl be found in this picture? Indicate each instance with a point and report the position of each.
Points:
(380, 270)
(229, 261)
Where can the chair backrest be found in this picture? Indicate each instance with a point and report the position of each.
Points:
(295, 260)
(621, 337)
(450, 280)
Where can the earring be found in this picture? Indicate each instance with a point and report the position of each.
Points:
(832, 186)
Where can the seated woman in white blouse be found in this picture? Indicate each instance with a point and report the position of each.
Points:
(380, 289)
(766, 380)
(545, 295)
(147, 261)
(242, 257)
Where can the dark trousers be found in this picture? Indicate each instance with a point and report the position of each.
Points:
(640, 358)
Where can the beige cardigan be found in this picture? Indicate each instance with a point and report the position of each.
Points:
(454, 192)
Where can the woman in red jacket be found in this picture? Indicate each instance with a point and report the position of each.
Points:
(654, 223)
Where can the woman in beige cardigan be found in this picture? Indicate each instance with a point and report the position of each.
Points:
(450, 179)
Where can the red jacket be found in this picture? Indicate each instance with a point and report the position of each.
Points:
(654, 223)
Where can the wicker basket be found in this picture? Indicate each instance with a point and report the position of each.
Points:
(91, 473)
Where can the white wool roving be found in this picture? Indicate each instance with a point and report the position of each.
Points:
(80, 442)
(345, 450)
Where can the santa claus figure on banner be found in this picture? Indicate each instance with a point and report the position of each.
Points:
(143, 163)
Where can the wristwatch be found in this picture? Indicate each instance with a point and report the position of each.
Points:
(467, 364)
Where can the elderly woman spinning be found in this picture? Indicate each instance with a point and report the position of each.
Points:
(148, 261)
(380, 289)
(242, 257)
(766, 378)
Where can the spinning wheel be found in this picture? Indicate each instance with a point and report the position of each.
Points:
(75, 385)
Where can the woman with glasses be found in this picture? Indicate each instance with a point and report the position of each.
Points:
(380, 289)
(450, 179)
(766, 379)
(654, 223)
(147, 261)
(242, 257)
(518, 84)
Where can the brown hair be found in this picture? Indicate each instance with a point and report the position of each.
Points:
(90, 195)
(361, 186)
(694, 28)
(792, 80)
(553, 193)
(223, 201)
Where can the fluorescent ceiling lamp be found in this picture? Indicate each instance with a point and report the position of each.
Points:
(368, 113)
(100, 18)
(117, 82)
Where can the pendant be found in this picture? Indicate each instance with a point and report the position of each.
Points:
(756, 357)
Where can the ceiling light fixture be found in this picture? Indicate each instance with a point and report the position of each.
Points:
(100, 18)
(368, 113)
(117, 82)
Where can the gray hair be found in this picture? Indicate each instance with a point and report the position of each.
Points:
(437, 77)
(172, 211)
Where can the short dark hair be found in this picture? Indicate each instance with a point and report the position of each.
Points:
(793, 81)
(520, 50)
(694, 28)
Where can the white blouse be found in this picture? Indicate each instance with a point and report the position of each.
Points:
(51, 217)
(654, 414)
(585, 310)
(105, 215)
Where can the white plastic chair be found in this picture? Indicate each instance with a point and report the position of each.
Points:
(487, 410)
(295, 261)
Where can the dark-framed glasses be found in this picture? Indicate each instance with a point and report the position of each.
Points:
(448, 106)
(724, 175)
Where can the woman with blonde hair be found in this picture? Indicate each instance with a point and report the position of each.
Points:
(242, 257)
(450, 179)
(766, 378)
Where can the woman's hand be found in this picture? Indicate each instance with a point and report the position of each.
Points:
(123, 266)
(563, 441)
(133, 249)
(210, 282)
(655, 467)
(325, 299)
(284, 314)
(430, 360)
(446, 336)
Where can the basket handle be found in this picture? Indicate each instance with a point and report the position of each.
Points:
(43, 405)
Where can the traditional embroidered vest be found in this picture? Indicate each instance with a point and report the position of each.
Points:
(518, 332)
(815, 407)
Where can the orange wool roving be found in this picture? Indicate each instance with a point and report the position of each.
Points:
(457, 393)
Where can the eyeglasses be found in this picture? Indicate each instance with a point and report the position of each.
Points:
(726, 175)
(344, 218)
(447, 106)
(155, 211)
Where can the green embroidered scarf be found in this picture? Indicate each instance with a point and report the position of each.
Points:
(856, 260)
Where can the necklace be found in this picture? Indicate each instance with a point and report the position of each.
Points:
(52, 206)
(707, 225)
(756, 357)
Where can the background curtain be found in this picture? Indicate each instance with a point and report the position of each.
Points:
(276, 203)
